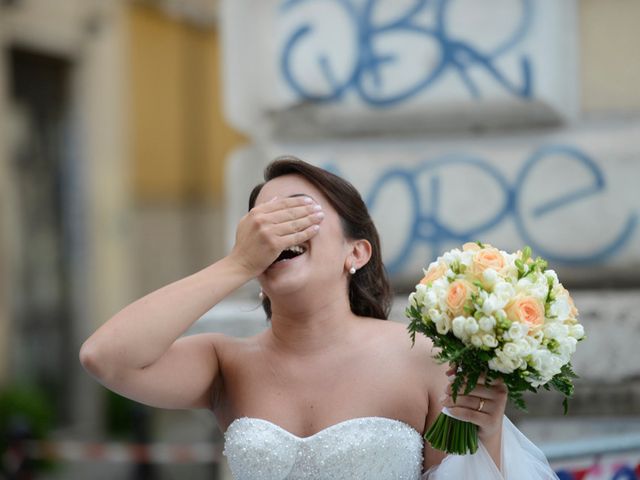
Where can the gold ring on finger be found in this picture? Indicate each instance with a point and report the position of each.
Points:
(479, 409)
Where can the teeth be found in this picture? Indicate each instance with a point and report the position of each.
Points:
(296, 249)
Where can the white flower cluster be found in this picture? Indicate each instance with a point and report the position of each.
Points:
(507, 304)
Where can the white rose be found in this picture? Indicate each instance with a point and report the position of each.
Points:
(533, 342)
(510, 270)
(560, 308)
(476, 341)
(457, 325)
(501, 301)
(491, 304)
(513, 351)
(452, 256)
(576, 331)
(540, 360)
(567, 347)
(434, 314)
(557, 331)
(497, 365)
(487, 324)
(538, 336)
(471, 326)
(504, 291)
(443, 325)
(412, 299)
(421, 291)
(440, 285)
(546, 364)
(555, 365)
(430, 299)
(517, 331)
(503, 363)
(540, 290)
(535, 359)
(466, 258)
(489, 340)
(522, 286)
(524, 346)
(490, 276)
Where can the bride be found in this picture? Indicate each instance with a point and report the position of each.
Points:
(330, 390)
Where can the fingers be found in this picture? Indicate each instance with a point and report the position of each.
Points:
(297, 225)
(288, 215)
(292, 213)
(469, 415)
(290, 220)
(302, 236)
(484, 405)
(469, 402)
(276, 204)
(483, 391)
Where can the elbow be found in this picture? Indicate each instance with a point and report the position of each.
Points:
(92, 360)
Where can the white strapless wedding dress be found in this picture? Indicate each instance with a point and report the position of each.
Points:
(371, 448)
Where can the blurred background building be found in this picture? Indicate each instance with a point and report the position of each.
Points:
(132, 131)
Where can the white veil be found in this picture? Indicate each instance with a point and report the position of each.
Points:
(521, 460)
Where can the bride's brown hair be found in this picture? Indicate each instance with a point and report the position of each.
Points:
(369, 289)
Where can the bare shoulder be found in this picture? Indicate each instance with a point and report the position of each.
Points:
(395, 336)
(232, 353)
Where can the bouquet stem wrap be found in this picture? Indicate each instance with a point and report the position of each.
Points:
(452, 435)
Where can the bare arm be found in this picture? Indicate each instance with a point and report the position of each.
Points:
(138, 353)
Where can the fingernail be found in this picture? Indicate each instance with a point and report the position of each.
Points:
(319, 215)
(274, 198)
(451, 378)
(317, 208)
(308, 200)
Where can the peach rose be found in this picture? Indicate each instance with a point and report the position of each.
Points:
(487, 258)
(527, 310)
(573, 310)
(434, 273)
(470, 246)
(458, 294)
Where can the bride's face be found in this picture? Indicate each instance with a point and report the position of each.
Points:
(321, 268)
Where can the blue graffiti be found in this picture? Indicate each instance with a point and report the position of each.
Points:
(427, 226)
(597, 186)
(365, 76)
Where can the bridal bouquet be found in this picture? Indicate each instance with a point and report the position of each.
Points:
(496, 314)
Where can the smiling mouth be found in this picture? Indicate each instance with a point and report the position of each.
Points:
(289, 253)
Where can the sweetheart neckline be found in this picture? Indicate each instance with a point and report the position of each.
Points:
(324, 430)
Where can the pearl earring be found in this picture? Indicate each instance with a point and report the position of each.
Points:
(261, 295)
(352, 270)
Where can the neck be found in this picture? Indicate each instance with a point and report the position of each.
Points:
(307, 328)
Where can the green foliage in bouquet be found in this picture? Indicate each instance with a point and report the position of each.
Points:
(471, 364)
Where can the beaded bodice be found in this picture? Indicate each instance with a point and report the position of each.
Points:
(360, 448)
